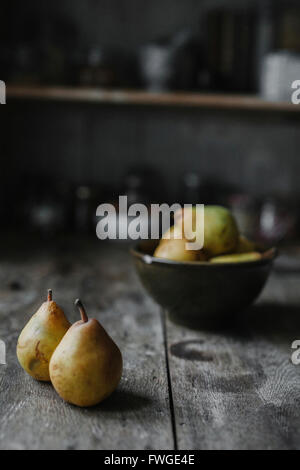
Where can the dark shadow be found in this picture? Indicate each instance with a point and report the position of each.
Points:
(122, 401)
(191, 350)
(211, 325)
(223, 376)
(268, 319)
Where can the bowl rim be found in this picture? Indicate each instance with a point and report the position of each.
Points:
(268, 256)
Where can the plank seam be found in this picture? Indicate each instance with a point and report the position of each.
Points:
(171, 401)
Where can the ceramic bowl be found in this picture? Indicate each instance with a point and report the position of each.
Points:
(201, 294)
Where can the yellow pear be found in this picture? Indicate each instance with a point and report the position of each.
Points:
(221, 233)
(174, 233)
(40, 337)
(175, 250)
(87, 365)
(237, 258)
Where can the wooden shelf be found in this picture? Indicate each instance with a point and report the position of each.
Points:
(144, 98)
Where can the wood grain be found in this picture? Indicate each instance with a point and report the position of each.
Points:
(238, 389)
(32, 416)
(135, 97)
(181, 388)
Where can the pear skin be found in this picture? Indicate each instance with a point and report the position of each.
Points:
(40, 338)
(221, 233)
(237, 258)
(245, 246)
(175, 250)
(174, 233)
(87, 365)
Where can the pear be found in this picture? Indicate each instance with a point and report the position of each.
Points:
(175, 250)
(237, 258)
(87, 365)
(221, 233)
(40, 337)
(173, 246)
(244, 245)
(174, 233)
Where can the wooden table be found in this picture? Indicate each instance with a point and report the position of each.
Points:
(181, 389)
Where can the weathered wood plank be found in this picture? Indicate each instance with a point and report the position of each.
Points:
(32, 416)
(238, 389)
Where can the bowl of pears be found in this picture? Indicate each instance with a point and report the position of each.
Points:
(207, 287)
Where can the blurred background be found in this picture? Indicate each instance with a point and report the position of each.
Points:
(164, 101)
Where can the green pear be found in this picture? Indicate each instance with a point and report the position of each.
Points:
(244, 245)
(87, 365)
(221, 233)
(237, 258)
(39, 339)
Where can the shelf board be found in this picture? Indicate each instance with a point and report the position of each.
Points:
(144, 98)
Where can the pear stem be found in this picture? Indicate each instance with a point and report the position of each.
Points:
(83, 313)
(49, 295)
